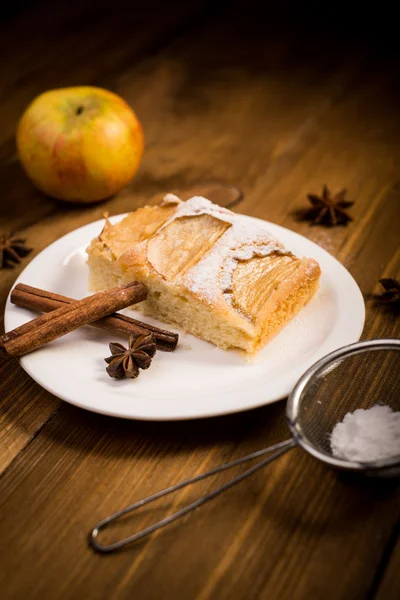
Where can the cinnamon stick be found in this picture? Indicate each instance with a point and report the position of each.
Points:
(33, 298)
(65, 319)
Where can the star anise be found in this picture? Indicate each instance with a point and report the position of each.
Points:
(391, 295)
(12, 249)
(126, 362)
(328, 209)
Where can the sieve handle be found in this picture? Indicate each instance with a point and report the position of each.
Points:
(280, 448)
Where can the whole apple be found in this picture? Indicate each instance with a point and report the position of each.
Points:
(79, 144)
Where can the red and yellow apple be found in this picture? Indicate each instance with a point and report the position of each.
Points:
(79, 144)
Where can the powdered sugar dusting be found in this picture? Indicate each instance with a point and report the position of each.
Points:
(170, 199)
(367, 435)
(242, 241)
(198, 206)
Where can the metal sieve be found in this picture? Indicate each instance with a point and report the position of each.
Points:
(360, 375)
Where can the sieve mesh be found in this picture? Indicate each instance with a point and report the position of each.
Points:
(352, 382)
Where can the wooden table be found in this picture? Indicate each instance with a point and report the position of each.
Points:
(279, 108)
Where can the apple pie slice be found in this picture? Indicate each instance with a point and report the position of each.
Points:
(212, 272)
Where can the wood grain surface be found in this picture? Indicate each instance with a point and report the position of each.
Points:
(228, 96)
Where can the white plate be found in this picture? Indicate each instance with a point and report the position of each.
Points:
(198, 379)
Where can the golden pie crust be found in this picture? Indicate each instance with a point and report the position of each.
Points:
(214, 273)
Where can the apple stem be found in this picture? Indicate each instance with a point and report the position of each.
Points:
(79, 110)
